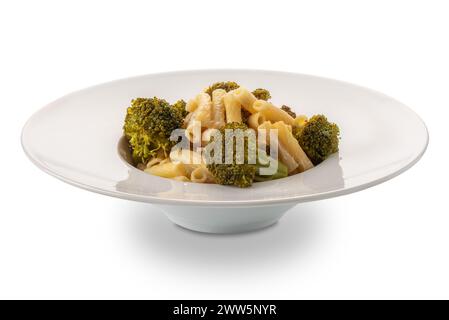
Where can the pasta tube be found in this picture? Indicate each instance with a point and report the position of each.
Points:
(245, 98)
(255, 120)
(190, 159)
(300, 121)
(200, 175)
(218, 109)
(287, 159)
(193, 132)
(204, 111)
(153, 162)
(292, 146)
(191, 105)
(287, 148)
(168, 170)
(186, 157)
(233, 109)
(272, 113)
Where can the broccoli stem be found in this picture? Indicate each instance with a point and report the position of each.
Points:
(282, 170)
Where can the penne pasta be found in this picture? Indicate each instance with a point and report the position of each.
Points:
(245, 98)
(292, 146)
(233, 109)
(272, 113)
(168, 170)
(187, 120)
(267, 126)
(287, 159)
(289, 151)
(255, 120)
(153, 162)
(199, 175)
(300, 121)
(203, 112)
(190, 159)
(186, 157)
(191, 105)
(218, 109)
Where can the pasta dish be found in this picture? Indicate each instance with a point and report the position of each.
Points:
(226, 135)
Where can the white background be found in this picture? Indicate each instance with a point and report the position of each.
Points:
(390, 241)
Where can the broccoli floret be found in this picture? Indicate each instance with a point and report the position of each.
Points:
(148, 126)
(181, 106)
(262, 94)
(289, 111)
(241, 175)
(318, 138)
(227, 86)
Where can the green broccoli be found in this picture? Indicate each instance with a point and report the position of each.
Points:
(148, 125)
(318, 138)
(262, 94)
(240, 174)
(181, 106)
(289, 111)
(282, 170)
(227, 86)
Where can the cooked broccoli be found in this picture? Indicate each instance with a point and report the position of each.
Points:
(262, 94)
(148, 126)
(227, 86)
(240, 175)
(181, 106)
(289, 111)
(318, 138)
(282, 170)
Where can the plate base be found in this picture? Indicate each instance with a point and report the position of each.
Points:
(224, 220)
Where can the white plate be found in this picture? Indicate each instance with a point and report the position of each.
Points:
(76, 139)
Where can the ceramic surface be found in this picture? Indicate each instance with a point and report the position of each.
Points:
(76, 139)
